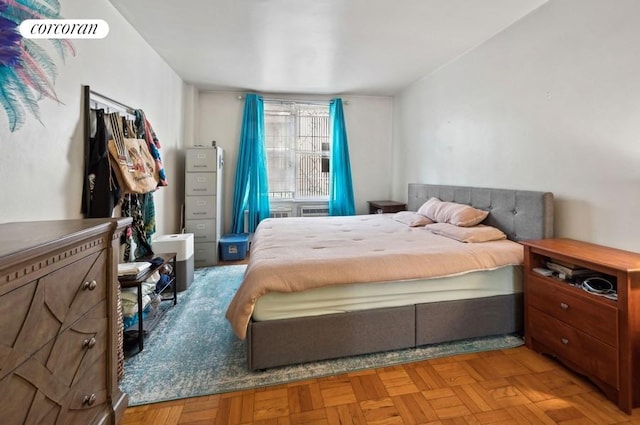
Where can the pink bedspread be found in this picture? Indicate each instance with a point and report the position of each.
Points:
(294, 254)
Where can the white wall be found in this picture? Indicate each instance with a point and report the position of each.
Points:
(369, 130)
(552, 103)
(41, 166)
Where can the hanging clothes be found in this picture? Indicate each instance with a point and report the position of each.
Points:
(101, 192)
(145, 131)
(141, 209)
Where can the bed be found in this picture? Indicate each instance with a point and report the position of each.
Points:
(395, 300)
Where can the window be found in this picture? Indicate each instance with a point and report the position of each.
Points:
(297, 142)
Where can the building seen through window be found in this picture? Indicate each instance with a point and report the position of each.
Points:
(297, 145)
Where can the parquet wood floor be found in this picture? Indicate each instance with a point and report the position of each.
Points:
(514, 386)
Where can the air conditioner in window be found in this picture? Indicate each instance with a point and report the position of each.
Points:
(313, 210)
(281, 213)
(275, 213)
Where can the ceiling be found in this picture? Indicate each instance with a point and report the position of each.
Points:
(370, 47)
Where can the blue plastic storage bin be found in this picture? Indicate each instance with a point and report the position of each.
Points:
(234, 246)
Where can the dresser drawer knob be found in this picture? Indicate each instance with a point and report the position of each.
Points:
(90, 285)
(564, 306)
(88, 400)
(565, 341)
(89, 343)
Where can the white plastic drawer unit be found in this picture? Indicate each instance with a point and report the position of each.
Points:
(202, 160)
(199, 207)
(203, 230)
(200, 183)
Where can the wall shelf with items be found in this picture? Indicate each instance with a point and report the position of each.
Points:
(593, 334)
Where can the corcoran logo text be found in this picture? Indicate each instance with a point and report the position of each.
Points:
(64, 28)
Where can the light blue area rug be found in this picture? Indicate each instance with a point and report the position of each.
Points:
(193, 352)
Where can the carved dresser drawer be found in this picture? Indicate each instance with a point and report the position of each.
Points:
(74, 289)
(44, 307)
(82, 366)
(69, 368)
(57, 322)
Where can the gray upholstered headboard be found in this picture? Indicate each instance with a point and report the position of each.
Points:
(521, 214)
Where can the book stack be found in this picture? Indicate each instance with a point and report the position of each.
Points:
(566, 271)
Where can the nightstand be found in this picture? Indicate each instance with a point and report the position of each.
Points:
(381, 207)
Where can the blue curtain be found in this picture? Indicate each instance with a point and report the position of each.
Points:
(341, 201)
(251, 191)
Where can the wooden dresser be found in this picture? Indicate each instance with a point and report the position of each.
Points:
(593, 335)
(58, 340)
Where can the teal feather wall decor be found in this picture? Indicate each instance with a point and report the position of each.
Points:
(27, 72)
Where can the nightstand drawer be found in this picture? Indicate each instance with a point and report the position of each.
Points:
(589, 354)
(574, 308)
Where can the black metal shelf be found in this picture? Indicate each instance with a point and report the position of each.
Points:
(146, 324)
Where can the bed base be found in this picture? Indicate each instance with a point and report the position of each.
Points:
(290, 341)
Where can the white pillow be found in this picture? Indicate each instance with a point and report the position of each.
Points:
(473, 234)
(452, 212)
(411, 219)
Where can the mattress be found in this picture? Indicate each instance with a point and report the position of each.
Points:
(298, 254)
(364, 296)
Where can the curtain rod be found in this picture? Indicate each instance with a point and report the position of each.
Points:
(308, 102)
(106, 100)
